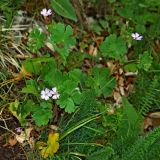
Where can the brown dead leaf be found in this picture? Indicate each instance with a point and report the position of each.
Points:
(92, 50)
(54, 127)
(130, 88)
(121, 89)
(21, 74)
(95, 51)
(25, 136)
(111, 66)
(117, 97)
(21, 138)
(12, 141)
(111, 111)
(120, 71)
(151, 121)
(131, 73)
(121, 81)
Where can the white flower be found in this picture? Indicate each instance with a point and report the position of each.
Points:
(137, 36)
(46, 12)
(55, 93)
(56, 96)
(54, 90)
(45, 94)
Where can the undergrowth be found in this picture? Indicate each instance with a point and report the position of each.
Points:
(81, 85)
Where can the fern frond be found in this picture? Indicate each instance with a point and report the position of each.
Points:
(150, 96)
(142, 146)
(102, 154)
(147, 93)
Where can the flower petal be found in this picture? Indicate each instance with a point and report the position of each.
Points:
(139, 38)
(56, 96)
(47, 90)
(137, 34)
(133, 35)
(43, 96)
(44, 12)
(54, 89)
(46, 98)
(49, 12)
(43, 92)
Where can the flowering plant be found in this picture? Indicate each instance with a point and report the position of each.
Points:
(46, 94)
(137, 36)
(46, 12)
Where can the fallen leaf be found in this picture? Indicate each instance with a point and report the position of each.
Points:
(21, 74)
(41, 144)
(117, 97)
(120, 71)
(111, 111)
(54, 127)
(131, 73)
(91, 49)
(121, 81)
(151, 121)
(130, 88)
(51, 147)
(121, 89)
(12, 141)
(25, 136)
(21, 138)
(111, 66)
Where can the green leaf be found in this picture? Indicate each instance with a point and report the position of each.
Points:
(70, 107)
(68, 86)
(140, 28)
(129, 124)
(36, 40)
(67, 103)
(107, 88)
(13, 107)
(101, 81)
(131, 67)
(21, 111)
(62, 38)
(77, 97)
(54, 77)
(64, 8)
(102, 154)
(35, 65)
(75, 75)
(31, 87)
(42, 114)
(26, 108)
(131, 113)
(145, 61)
(113, 47)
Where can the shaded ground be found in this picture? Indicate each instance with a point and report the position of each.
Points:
(8, 152)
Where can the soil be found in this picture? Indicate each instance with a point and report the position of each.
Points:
(8, 152)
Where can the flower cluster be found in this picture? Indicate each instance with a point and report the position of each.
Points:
(47, 93)
(46, 12)
(18, 130)
(137, 36)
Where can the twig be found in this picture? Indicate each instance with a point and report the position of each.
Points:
(6, 127)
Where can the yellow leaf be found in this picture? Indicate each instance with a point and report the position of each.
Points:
(21, 74)
(25, 72)
(13, 109)
(41, 144)
(52, 145)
